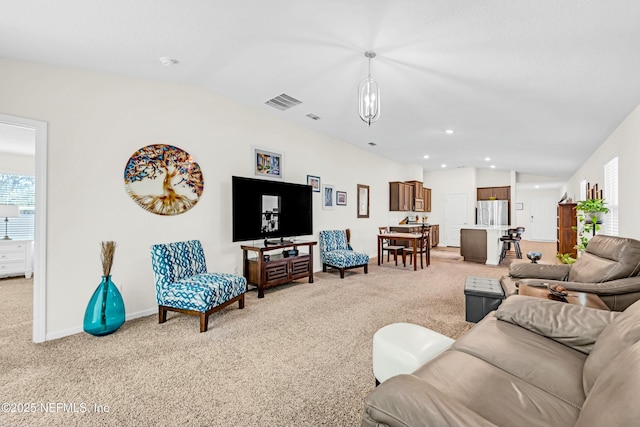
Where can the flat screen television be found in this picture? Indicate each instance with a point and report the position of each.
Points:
(272, 211)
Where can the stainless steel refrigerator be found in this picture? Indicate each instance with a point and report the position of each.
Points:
(492, 212)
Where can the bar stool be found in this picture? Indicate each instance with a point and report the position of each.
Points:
(514, 235)
(516, 243)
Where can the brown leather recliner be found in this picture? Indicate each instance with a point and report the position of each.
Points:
(533, 362)
(609, 267)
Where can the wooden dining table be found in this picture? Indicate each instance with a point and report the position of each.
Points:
(414, 237)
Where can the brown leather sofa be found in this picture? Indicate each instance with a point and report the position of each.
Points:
(609, 267)
(533, 362)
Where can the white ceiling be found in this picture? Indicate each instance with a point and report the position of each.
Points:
(536, 85)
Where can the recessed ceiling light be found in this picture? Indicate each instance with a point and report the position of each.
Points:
(443, 165)
(426, 156)
(449, 131)
(166, 61)
(492, 166)
(487, 159)
(537, 186)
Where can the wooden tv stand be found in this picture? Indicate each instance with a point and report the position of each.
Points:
(278, 269)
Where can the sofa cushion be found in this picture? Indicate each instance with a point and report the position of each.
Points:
(613, 399)
(494, 394)
(520, 272)
(607, 258)
(620, 334)
(406, 400)
(572, 325)
(534, 359)
(524, 270)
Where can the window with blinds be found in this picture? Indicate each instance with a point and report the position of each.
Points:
(611, 197)
(19, 190)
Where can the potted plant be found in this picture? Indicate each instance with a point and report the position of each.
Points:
(566, 258)
(590, 214)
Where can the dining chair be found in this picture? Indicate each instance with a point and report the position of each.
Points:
(387, 246)
(423, 247)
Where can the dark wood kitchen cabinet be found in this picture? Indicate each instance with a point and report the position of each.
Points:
(400, 196)
(494, 193)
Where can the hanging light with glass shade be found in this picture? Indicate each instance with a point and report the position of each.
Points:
(369, 96)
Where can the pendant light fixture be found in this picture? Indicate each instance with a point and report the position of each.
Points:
(369, 96)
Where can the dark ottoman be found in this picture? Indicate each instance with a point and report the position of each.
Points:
(482, 295)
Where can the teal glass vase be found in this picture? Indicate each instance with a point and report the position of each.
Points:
(105, 312)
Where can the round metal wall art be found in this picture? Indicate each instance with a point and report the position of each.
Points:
(163, 179)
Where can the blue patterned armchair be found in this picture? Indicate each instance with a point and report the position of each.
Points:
(183, 284)
(336, 252)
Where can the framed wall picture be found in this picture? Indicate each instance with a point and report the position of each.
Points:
(341, 198)
(268, 164)
(163, 179)
(314, 182)
(327, 197)
(363, 201)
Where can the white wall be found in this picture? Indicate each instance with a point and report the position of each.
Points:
(624, 142)
(450, 181)
(97, 121)
(466, 180)
(492, 178)
(523, 217)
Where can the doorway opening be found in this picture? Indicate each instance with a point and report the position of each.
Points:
(39, 129)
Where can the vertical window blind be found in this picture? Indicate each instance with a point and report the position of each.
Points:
(19, 190)
(611, 197)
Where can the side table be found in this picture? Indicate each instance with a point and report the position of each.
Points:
(584, 299)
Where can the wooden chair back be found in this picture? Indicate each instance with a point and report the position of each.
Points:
(424, 240)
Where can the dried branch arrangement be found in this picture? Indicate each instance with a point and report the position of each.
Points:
(108, 250)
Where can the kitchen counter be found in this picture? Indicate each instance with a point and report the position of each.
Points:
(481, 243)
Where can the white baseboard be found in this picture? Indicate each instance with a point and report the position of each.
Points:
(142, 313)
(77, 329)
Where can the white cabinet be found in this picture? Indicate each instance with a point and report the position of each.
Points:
(16, 258)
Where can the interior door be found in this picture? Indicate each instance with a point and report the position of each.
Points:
(543, 222)
(456, 217)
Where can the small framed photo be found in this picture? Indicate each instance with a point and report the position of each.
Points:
(314, 182)
(327, 196)
(519, 206)
(267, 164)
(341, 198)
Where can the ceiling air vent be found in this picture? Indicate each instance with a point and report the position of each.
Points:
(313, 116)
(283, 102)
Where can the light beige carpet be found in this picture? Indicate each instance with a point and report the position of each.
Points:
(301, 356)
